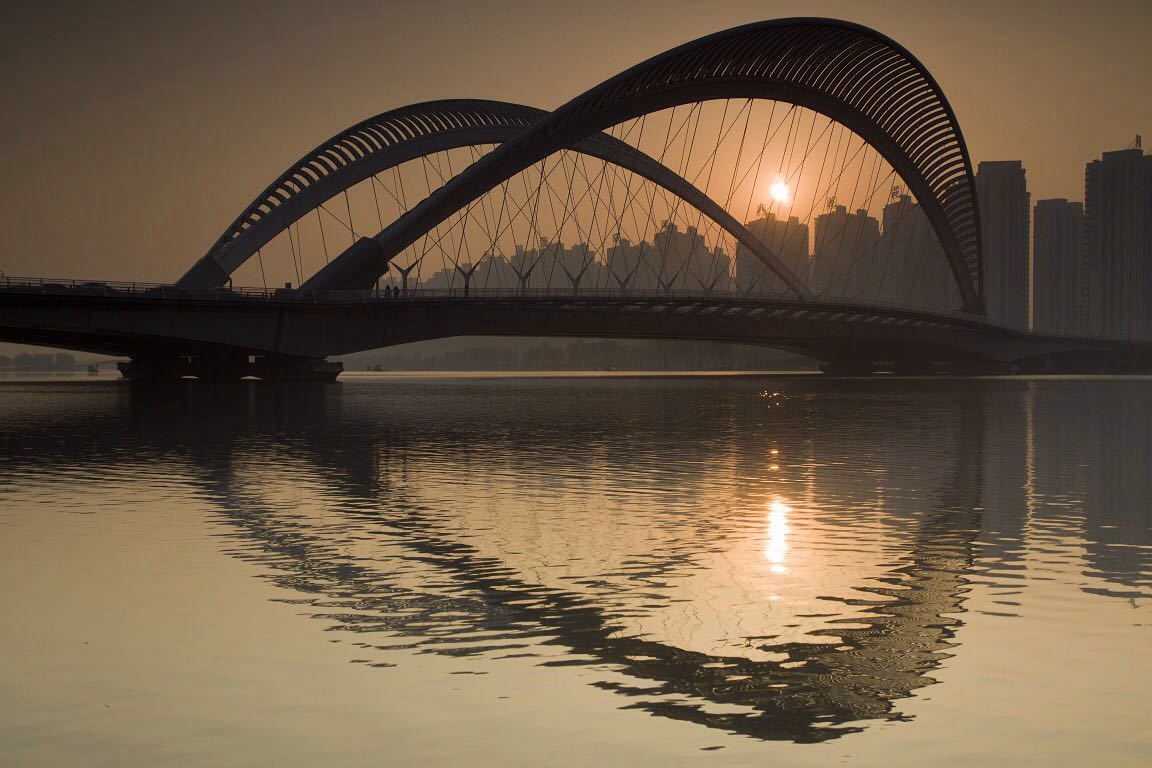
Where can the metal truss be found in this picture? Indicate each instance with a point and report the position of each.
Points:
(848, 72)
(405, 134)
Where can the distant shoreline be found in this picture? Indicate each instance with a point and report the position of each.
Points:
(12, 378)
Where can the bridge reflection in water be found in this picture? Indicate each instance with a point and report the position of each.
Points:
(752, 561)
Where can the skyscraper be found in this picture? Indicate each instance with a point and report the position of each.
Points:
(684, 261)
(1002, 191)
(842, 253)
(1118, 244)
(1057, 262)
(910, 266)
(787, 239)
(576, 267)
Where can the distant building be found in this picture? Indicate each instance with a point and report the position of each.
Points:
(1002, 191)
(1118, 244)
(843, 252)
(549, 266)
(683, 261)
(788, 240)
(910, 266)
(524, 267)
(491, 272)
(720, 278)
(576, 268)
(625, 266)
(1057, 262)
(675, 260)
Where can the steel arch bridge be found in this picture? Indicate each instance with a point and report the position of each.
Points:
(851, 76)
(850, 73)
(393, 138)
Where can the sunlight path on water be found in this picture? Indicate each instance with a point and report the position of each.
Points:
(566, 571)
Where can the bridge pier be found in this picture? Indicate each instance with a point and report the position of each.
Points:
(223, 367)
(848, 366)
(155, 368)
(291, 368)
(865, 366)
(978, 368)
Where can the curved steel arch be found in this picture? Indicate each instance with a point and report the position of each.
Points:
(850, 73)
(407, 133)
(349, 157)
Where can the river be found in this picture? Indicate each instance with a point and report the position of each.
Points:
(577, 570)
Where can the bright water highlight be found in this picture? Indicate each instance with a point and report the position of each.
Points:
(571, 571)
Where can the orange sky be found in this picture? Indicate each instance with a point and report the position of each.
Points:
(133, 135)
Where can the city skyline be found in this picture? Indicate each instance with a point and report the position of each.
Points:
(836, 125)
(107, 69)
(649, 384)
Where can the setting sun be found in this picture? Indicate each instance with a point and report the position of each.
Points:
(780, 192)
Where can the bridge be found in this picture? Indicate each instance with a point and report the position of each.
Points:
(456, 214)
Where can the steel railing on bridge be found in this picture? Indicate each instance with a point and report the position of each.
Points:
(874, 312)
(165, 291)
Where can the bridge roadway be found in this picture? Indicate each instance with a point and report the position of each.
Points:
(170, 332)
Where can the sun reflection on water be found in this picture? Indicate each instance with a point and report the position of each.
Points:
(776, 547)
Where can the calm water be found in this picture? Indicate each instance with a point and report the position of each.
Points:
(539, 572)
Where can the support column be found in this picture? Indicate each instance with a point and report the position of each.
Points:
(229, 367)
(220, 367)
(914, 367)
(155, 368)
(980, 368)
(290, 368)
(848, 366)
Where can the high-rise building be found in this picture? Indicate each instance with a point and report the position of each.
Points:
(910, 266)
(1057, 264)
(842, 253)
(1002, 191)
(684, 261)
(1118, 244)
(787, 239)
(549, 266)
(623, 265)
(576, 268)
(533, 268)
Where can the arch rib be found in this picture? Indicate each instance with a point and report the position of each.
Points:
(464, 123)
(848, 72)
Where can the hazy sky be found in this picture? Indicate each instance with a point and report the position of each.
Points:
(133, 133)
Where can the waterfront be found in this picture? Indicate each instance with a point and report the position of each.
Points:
(572, 570)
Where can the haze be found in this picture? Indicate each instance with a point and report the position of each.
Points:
(134, 134)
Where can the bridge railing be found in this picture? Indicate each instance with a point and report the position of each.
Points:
(289, 294)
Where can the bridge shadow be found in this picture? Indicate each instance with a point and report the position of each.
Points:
(369, 454)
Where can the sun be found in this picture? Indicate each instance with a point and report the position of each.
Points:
(780, 192)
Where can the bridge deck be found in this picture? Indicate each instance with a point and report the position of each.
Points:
(138, 320)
